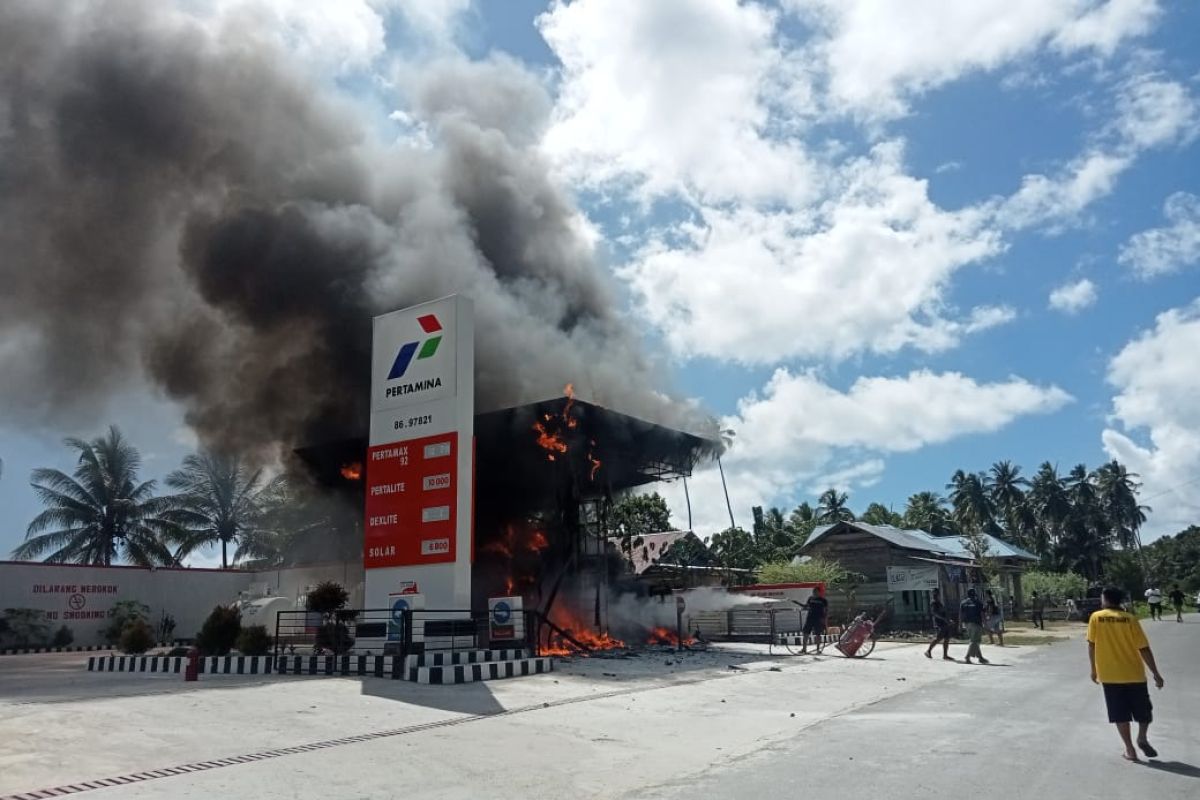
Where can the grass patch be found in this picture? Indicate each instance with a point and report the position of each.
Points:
(1020, 639)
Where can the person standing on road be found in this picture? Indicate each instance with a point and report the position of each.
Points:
(814, 620)
(1037, 605)
(971, 613)
(941, 626)
(1117, 648)
(1176, 597)
(994, 619)
(1154, 598)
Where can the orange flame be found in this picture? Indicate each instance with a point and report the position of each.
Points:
(595, 466)
(661, 635)
(508, 586)
(352, 471)
(569, 391)
(580, 630)
(550, 442)
(538, 542)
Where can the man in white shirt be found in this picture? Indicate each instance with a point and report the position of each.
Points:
(1154, 598)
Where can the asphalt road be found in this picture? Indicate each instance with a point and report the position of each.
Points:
(1036, 730)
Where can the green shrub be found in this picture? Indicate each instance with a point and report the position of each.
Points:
(815, 569)
(137, 638)
(327, 597)
(1055, 587)
(335, 637)
(122, 613)
(220, 631)
(25, 627)
(62, 637)
(254, 641)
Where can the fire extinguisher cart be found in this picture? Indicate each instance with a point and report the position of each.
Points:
(858, 639)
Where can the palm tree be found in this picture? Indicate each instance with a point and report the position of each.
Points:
(879, 514)
(974, 511)
(926, 511)
(831, 507)
(1052, 505)
(1087, 533)
(102, 514)
(217, 501)
(1006, 488)
(298, 524)
(1118, 489)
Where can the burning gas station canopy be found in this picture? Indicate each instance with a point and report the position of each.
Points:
(529, 454)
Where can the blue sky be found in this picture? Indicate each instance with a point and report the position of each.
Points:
(843, 231)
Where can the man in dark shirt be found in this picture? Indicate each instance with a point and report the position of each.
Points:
(971, 612)
(1037, 606)
(941, 626)
(1176, 597)
(814, 620)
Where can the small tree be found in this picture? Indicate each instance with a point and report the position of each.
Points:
(254, 641)
(329, 599)
(220, 631)
(121, 614)
(137, 637)
(26, 627)
(62, 637)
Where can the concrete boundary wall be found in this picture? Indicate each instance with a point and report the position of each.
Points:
(81, 596)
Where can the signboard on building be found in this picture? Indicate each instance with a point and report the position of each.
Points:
(912, 579)
(417, 526)
(505, 618)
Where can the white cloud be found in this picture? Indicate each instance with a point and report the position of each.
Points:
(864, 271)
(1043, 200)
(1071, 298)
(671, 95)
(879, 54)
(1157, 385)
(1160, 251)
(1154, 112)
(801, 433)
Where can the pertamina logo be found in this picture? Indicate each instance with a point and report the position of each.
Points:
(409, 352)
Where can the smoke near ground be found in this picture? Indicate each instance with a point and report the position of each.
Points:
(183, 204)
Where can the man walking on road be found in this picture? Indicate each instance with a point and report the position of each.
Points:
(1038, 606)
(971, 612)
(1176, 597)
(1154, 598)
(814, 621)
(1117, 648)
(941, 626)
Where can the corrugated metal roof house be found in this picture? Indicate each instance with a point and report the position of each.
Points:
(900, 565)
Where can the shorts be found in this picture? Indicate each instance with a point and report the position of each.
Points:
(1128, 702)
(814, 626)
(943, 632)
(996, 625)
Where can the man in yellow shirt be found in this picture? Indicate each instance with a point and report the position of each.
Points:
(1117, 648)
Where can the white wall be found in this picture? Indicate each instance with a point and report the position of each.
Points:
(80, 597)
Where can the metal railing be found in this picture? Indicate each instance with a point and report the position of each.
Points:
(407, 632)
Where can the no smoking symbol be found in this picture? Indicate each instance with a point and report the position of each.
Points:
(76, 602)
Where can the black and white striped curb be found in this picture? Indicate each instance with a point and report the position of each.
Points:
(797, 639)
(347, 665)
(445, 659)
(25, 651)
(484, 671)
(209, 665)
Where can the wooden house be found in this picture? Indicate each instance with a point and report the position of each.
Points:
(899, 567)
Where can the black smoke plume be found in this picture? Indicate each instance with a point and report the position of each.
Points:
(183, 203)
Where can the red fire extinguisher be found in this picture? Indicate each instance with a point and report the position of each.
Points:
(191, 672)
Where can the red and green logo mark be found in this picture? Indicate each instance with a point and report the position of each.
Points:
(429, 323)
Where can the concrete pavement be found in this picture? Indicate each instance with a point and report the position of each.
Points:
(1036, 730)
(770, 727)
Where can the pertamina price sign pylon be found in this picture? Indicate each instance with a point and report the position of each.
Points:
(418, 471)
